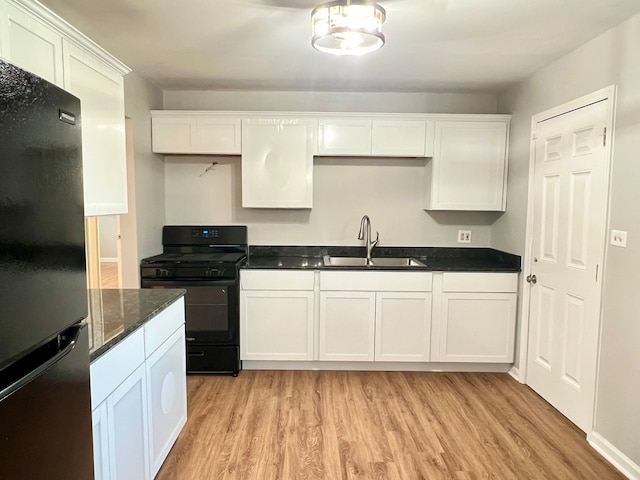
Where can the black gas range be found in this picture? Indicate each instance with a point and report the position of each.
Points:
(203, 260)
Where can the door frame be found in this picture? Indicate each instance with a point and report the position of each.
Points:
(606, 93)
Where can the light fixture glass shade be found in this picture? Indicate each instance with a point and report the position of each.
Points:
(348, 27)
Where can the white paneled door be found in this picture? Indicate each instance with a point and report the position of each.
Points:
(570, 193)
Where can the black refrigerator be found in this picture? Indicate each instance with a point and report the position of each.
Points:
(45, 404)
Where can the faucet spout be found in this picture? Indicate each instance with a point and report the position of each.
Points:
(365, 234)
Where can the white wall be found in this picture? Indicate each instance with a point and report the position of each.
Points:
(612, 58)
(390, 191)
(331, 101)
(141, 228)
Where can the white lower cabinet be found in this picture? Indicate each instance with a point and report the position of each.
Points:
(276, 325)
(378, 316)
(375, 316)
(477, 318)
(127, 429)
(403, 326)
(347, 326)
(120, 442)
(138, 397)
(277, 315)
(101, 442)
(167, 397)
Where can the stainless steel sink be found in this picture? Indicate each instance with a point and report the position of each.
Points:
(396, 262)
(375, 262)
(345, 261)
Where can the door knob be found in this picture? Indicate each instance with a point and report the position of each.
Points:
(532, 279)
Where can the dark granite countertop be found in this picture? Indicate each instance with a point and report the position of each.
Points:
(447, 259)
(115, 314)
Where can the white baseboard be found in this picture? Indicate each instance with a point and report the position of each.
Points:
(374, 366)
(615, 456)
(108, 259)
(515, 373)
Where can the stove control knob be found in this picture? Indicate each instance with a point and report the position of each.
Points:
(162, 272)
(212, 272)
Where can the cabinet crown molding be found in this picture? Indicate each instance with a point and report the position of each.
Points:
(320, 115)
(35, 8)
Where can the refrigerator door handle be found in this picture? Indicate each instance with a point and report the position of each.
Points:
(67, 342)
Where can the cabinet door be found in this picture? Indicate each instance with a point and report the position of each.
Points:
(403, 326)
(218, 136)
(172, 134)
(100, 89)
(398, 138)
(100, 442)
(276, 325)
(345, 136)
(477, 327)
(167, 393)
(347, 326)
(468, 169)
(179, 134)
(31, 44)
(277, 163)
(128, 428)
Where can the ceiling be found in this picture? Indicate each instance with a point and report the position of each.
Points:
(432, 45)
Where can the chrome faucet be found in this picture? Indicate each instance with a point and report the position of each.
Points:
(365, 234)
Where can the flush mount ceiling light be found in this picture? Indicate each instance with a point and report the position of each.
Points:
(348, 27)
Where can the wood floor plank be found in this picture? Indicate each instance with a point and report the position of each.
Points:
(312, 425)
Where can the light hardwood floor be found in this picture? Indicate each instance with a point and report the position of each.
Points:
(109, 275)
(290, 425)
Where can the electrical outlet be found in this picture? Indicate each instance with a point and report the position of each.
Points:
(464, 236)
(618, 238)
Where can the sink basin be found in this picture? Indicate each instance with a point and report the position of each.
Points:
(345, 261)
(396, 262)
(375, 262)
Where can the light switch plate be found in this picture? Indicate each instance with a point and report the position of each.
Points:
(618, 238)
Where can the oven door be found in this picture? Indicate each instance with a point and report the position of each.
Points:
(211, 309)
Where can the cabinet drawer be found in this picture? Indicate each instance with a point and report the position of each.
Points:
(479, 282)
(157, 330)
(112, 368)
(276, 280)
(376, 281)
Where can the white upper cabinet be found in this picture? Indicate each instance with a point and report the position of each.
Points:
(373, 136)
(398, 138)
(469, 166)
(277, 162)
(179, 133)
(35, 39)
(100, 89)
(344, 136)
(31, 44)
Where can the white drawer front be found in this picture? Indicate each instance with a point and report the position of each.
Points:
(158, 329)
(376, 281)
(479, 282)
(277, 279)
(112, 368)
